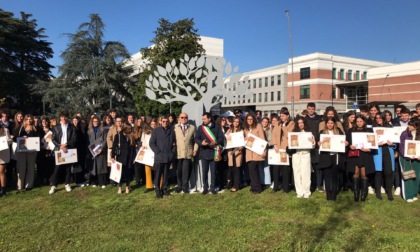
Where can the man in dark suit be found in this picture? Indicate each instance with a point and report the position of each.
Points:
(313, 120)
(207, 142)
(64, 138)
(162, 143)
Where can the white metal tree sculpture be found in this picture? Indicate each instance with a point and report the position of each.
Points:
(199, 82)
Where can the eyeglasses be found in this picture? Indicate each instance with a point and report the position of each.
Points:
(183, 117)
(164, 121)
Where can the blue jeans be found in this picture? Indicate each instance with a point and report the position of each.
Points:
(206, 164)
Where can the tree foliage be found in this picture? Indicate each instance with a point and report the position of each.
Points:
(24, 55)
(94, 75)
(171, 42)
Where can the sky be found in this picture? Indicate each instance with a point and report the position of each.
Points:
(255, 32)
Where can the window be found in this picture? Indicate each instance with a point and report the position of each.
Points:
(255, 84)
(254, 98)
(365, 75)
(305, 73)
(334, 93)
(278, 79)
(305, 91)
(272, 96)
(225, 100)
(259, 97)
(259, 82)
(357, 75)
(266, 82)
(342, 92)
(341, 74)
(234, 86)
(349, 75)
(278, 95)
(265, 97)
(334, 73)
(272, 80)
(249, 84)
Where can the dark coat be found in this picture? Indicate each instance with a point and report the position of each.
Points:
(313, 123)
(162, 142)
(207, 152)
(324, 156)
(126, 149)
(365, 158)
(99, 164)
(71, 136)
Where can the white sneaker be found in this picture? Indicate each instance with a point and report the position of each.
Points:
(371, 191)
(415, 199)
(103, 187)
(299, 196)
(52, 190)
(397, 191)
(68, 188)
(410, 200)
(93, 185)
(272, 185)
(382, 190)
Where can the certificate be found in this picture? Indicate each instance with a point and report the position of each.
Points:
(4, 145)
(384, 134)
(364, 140)
(333, 143)
(411, 148)
(116, 169)
(47, 141)
(95, 147)
(27, 144)
(145, 156)
(108, 157)
(278, 158)
(255, 144)
(300, 140)
(69, 157)
(234, 140)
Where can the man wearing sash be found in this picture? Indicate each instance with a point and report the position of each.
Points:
(208, 137)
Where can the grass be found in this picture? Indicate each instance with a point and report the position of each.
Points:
(94, 219)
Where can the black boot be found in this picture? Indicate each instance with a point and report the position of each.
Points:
(388, 187)
(3, 191)
(364, 189)
(356, 189)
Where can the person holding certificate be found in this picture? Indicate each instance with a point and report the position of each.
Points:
(4, 156)
(328, 161)
(410, 187)
(301, 162)
(253, 159)
(97, 139)
(149, 125)
(122, 151)
(383, 158)
(359, 161)
(26, 159)
(279, 140)
(235, 156)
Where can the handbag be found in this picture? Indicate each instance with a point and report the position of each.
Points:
(410, 174)
(353, 153)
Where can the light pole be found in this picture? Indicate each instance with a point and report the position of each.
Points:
(332, 81)
(291, 56)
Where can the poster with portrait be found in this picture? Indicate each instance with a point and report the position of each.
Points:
(278, 158)
(234, 140)
(27, 144)
(116, 170)
(145, 156)
(4, 144)
(384, 134)
(412, 148)
(95, 147)
(300, 140)
(255, 144)
(68, 157)
(47, 141)
(364, 140)
(333, 143)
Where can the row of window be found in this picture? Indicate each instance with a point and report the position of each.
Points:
(260, 82)
(305, 73)
(267, 97)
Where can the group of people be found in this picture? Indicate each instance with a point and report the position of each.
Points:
(202, 163)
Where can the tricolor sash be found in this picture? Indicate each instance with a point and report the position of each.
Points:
(217, 149)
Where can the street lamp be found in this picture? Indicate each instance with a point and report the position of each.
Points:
(291, 55)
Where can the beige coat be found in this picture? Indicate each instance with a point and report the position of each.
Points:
(185, 142)
(250, 155)
(339, 125)
(110, 137)
(279, 136)
(238, 154)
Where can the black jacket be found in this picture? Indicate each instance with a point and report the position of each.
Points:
(71, 136)
(125, 152)
(207, 152)
(162, 142)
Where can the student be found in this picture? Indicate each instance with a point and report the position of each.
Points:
(4, 158)
(235, 156)
(301, 162)
(98, 165)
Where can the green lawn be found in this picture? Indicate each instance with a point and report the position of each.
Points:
(94, 219)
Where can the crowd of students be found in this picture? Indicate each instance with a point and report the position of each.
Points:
(198, 160)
